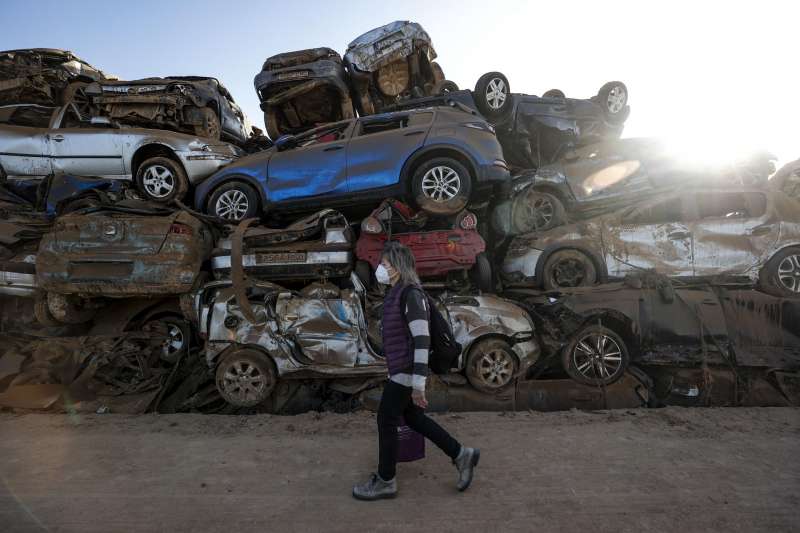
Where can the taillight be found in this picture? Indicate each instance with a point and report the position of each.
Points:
(468, 221)
(180, 229)
(371, 225)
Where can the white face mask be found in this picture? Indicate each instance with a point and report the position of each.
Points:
(382, 275)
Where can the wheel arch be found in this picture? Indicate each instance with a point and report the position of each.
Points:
(274, 359)
(152, 149)
(490, 335)
(437, 150)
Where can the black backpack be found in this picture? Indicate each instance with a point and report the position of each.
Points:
(445, 349)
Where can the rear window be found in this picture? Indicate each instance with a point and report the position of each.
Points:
(32, 116)
(730, 205)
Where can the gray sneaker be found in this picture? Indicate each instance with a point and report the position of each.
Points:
(466, 462)
(375, 489)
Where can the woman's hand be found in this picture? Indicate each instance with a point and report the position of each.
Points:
(418, 397)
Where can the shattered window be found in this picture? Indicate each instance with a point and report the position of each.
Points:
(730, 205)
(670, 210)
(32, 116)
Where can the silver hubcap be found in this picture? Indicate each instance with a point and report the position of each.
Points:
(615, 100)
(495, 368)
(597, 356)
(496, 93)
(232, 205)
(789, 273)
(174, 342)
(244, 382)
(441, 184)
(158, 181)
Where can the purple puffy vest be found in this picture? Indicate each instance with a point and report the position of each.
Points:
(396, 337)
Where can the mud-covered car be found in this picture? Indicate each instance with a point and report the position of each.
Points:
(438, 158)
(738, 235)
(319, 246)
(596, 332)
(36, 141)
(787, 179)
(301, 90)
(41, 75)
(321, 332)
(442, 248)
(117, 253)
(392, 63)
(191, 104)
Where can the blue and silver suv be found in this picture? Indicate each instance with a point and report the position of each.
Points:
(438, 158)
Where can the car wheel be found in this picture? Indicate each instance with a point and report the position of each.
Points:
(781, 275)
(481, 273)
(234, 201)
(246, 377)
(443, 87)
(613, 96)
(568, 268)
(536, 211)
(41, 311)
(493, 94)
(176, 343)
(441, 186)
(364, 273)
(554, 93)
(491, 365)
(595, 356)
(209, 126)
(69, 308)
(161, 179)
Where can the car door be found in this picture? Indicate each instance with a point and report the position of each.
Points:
(652, 236)
(731, 231)
(23, 140)
(381, 145)
(312, 164)
(80, 147)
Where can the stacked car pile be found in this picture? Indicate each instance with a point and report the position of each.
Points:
(523, 212)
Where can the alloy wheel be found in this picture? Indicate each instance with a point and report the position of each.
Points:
(569, 273)
(496, 93)
(789, 273)
(597, 356)
(441, 184)
(158, 181)
(615, 100)
(174, 342)
(538, 214)
(232, 205)
(244, 382)
(495, 368)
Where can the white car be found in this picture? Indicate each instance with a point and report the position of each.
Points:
(39, 140)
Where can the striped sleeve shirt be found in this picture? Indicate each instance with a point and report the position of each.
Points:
(416, 313)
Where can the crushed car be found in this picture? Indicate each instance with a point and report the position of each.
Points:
(301, 90)
(116, 252)
(442, 248)
(36, 141)
(321, 332)
(735, 234)
(42, 75)
(439, 158)
(392, 63)
(787, 179)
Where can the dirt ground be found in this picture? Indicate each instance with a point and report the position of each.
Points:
(670, 469)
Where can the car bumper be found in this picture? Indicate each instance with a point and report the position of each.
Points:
(200, 165)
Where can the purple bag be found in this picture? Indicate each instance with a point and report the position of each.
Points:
(411, 445)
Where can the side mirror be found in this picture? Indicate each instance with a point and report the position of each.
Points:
(284, 142)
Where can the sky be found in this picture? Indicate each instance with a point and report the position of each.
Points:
(715, 77)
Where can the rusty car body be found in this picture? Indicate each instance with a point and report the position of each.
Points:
(739, 234)
(198, 105)
(302, 90)
(41, 75)
(36, 141)
(392, 63)
(117, 253)
(321, 332)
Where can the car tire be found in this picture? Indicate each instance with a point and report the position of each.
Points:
(781, 274)
(178, 338)
(491, 365)
(441, 186)
(41, 311)
(210, 127)
(161, 179)
(492, 94)
(443, 87)
(69, 308)
(364, 272)
(595, 356)
(481, 273)
(246, 377)
(568, 268)
(234, 201)
(554, 93)
(613, 97)
(535, 211)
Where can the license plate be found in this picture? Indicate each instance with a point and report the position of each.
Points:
(293, 75)
(282, 257)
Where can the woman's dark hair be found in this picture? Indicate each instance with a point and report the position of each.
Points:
(401, 258)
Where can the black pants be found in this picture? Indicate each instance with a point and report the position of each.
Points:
(396, 402)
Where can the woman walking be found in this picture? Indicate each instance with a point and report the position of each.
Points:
(406, 344)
